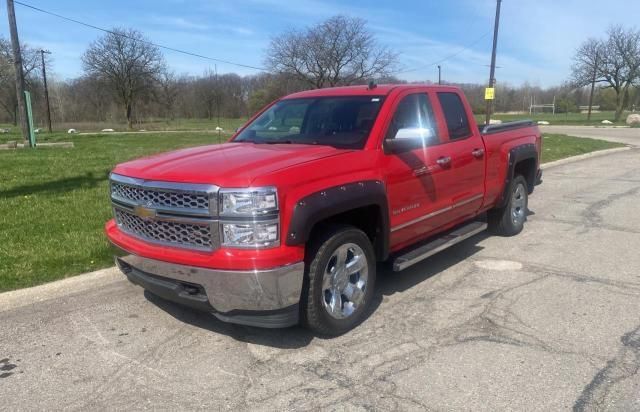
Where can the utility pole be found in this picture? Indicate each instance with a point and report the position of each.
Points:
(17, 63)
(215, 66)
(593, 83)
(492, 75)
(46, 89)
(439, 74)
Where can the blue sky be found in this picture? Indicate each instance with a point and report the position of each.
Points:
(537, 37)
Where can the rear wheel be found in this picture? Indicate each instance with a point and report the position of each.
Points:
(340, 280)
(509, 220)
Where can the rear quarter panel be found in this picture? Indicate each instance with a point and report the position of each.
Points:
(497, 148)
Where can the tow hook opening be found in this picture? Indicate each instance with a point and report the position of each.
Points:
(123, 266)
(190, 289)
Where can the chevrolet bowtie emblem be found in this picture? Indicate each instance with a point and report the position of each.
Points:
(144, 212)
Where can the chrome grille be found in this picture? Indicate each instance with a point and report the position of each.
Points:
(198, 236)
(161, 198)
(174, 214)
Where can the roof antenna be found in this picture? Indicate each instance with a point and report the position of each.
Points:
(372, 84)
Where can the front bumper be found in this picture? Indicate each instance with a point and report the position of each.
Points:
(264, 298)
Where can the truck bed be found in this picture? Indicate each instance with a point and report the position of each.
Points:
(488, 129)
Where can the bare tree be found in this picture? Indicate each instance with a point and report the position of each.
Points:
(339, 51)
(614, 62)
(128, 62)
(30, 62)
(207, 92)
(167, 93)
(588, 67)
(622, 64)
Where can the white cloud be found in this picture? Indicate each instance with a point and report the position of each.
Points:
(179, 23)
(545, 33)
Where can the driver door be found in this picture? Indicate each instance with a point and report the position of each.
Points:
(418, 171)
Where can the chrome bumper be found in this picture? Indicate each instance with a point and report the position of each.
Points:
(265, 298)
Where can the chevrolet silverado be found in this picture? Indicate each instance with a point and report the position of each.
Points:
(285, 223)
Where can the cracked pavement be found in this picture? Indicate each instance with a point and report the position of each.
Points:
(547, 320)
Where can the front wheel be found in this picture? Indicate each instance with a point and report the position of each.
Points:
(509, 220)
(341, 273)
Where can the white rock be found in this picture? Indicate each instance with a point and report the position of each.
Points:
(495, 121)
(72, 131)
(219, 129)
(107, 130)
(38, 130)
(544, 123)
(607, 122)
(4, 130)
(633, 119)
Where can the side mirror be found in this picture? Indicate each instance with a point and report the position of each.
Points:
(409, 139)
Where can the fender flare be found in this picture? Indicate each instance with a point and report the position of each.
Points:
(516, 155)
(333, 201)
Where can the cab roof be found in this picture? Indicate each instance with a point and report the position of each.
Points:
(363, 90)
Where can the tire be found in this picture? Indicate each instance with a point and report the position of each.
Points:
(509, 220)
(335, 296)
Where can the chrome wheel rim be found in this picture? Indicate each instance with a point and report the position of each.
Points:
(344, 281)
(519, 204)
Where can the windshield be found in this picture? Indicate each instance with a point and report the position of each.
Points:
(343, 122)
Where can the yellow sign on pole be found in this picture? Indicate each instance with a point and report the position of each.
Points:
(489, 93)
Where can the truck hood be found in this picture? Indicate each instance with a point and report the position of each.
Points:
(229, 164)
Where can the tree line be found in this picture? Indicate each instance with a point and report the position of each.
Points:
(613, 62)
(126, 78)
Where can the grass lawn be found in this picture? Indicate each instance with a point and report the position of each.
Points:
(160, 125)
(558, 146)
(54, 202)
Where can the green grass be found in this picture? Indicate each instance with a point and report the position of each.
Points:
(560, 118)
(159, 125)
(54, 202)
(558, 146)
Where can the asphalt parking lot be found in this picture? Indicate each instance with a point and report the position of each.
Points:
(548, 320)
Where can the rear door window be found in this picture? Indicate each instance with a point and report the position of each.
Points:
(455, 116)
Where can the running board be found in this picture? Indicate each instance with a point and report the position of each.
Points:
(438, 245)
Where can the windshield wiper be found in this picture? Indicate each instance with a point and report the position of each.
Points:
(283, 141)
(276, 142)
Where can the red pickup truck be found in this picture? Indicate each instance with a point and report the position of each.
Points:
(284, 223)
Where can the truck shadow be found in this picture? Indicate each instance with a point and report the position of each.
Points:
(388, 283)
(290, 338)
(88, 180)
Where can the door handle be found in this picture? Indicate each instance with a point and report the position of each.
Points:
(477, 153)
(421, 171)
(444, 161)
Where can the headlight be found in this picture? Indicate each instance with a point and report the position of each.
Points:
(251, 235)
(249, 217)
(250, 202)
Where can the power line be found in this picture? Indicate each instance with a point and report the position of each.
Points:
(451, 56)
(462, 50)
(142, 41)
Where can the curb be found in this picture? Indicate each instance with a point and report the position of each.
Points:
(58, 288)
(585, 156)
